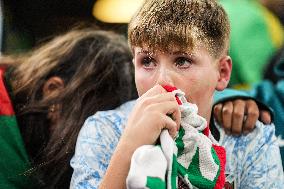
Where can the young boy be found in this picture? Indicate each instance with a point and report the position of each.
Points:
(182, 44)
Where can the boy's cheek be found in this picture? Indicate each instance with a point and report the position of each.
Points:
(142, 86)
(199, 91)
(144, 80)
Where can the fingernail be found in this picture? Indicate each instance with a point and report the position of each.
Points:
(227, 132)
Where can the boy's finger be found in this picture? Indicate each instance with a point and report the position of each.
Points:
(227, 111)
(158, 98)
(252, 114)
(157, 89)
(176, 115)
(218, 113)
(265, 117)
(169, 109)
(238, 116)
(171, 125)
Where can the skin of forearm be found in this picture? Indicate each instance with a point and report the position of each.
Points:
(117, 171)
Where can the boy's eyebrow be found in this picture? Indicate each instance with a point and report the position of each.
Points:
(183, 53)
(145, 52)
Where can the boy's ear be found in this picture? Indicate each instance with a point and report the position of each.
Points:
(225, 69)
(53, 84)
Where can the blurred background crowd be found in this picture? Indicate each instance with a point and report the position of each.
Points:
(256, 37)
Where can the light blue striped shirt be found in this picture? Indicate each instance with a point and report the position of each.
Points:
(253, 161)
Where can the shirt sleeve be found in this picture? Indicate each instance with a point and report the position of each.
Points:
(95, 145)
(253, 161)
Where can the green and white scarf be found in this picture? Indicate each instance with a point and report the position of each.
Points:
(193, 158)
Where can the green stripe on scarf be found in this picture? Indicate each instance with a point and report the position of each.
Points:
(179, 141)
(195, 176)
(155, 183)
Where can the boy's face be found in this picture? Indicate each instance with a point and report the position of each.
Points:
(196, 73)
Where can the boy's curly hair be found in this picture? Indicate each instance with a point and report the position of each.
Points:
(167, 24)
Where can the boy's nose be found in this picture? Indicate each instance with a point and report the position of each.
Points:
(164, 78)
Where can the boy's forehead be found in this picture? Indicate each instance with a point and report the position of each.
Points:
(170, 50)
(174, 50)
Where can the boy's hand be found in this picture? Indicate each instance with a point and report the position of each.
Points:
(150, 116)
(239, 116)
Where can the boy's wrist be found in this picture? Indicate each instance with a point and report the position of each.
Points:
(126, 146)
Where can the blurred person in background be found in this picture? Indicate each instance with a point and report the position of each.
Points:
(276, 6)
(256, 36)
(47, 94)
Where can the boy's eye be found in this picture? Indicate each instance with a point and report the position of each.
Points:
(148, 62)
(183, 62)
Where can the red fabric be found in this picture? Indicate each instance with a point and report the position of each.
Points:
(206, 131)
(228, 186)
(221, 153)
(170, 89)
(6, 107)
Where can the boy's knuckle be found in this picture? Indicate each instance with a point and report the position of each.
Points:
(235, 130)
(253, 114)
(227, 111)
(238, 114)
(145, 102)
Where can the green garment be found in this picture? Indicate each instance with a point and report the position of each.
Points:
(14, 161)
(256, 34)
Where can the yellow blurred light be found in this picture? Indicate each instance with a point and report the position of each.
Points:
(115, 11)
